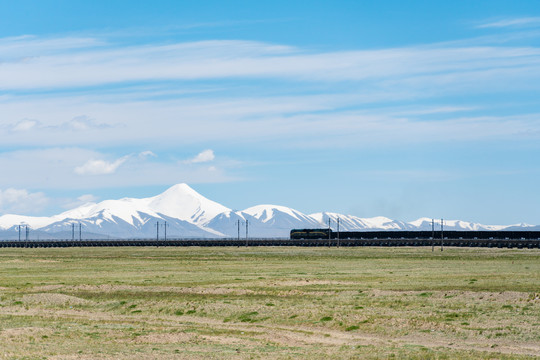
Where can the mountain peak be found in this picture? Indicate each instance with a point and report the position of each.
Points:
(182, 202)
(182, 187)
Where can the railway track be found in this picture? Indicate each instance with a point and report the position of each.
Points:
(489, 243)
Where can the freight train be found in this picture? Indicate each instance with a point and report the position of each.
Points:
(313, 234)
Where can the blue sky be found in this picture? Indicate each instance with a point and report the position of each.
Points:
(393, 108)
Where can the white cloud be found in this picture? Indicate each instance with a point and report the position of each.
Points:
(81, 200)
(143, 155)
(53, 168)
(87, 198)
(21, 201)
(82, 123)
(78, 123)
(202, 157)
(22, 48)
(24, 125)
(513, 22)
(348, 79)
(100, 167)
(220, 59)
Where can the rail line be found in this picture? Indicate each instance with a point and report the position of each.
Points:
(389, 242)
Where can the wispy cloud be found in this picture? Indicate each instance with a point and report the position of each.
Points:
(100, 167)
(21, 201)
(24, 125)
(56, 166)
(220, 59)
(82, 123)
(78, 123)
(273, 121)
(81, 200)
(202, 157)
(146, 154)
(512, 22)
(185, 96)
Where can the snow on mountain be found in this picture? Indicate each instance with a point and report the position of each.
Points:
(354, 223)
(8, 221)
(145, 227)
(425, 224)
(279, 220)
(229, 222)
(189, 214)
(262, 221)
(179, 202)
(182, 207)
(182, 202)
(272, 214)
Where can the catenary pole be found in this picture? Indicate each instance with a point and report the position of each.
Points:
(442, 234)
(338, 233)
(432, 235)
(329, 231)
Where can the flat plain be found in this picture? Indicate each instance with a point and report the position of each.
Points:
(277, 303)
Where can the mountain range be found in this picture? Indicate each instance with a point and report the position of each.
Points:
(188, 214)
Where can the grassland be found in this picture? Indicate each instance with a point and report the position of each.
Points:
(278, 303)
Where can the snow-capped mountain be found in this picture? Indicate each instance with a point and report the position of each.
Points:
(187, 213)
(425, 224)
(354, 223)
(281, 216)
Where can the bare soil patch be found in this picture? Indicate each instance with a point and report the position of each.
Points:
(53, 299)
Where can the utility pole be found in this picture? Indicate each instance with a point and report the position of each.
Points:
(442, 234)
(19, 232)
(165, 228)
(157, 232)
(238, 223)
(80, 232)
(72, 231)
(432, 235)
(337, 232)
(329, 232)
(27, 232)
(246, 232)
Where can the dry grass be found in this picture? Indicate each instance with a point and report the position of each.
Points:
(277, 303)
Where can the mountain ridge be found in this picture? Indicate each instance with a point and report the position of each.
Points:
(187, 213)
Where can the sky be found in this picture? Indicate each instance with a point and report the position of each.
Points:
(403, 109)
